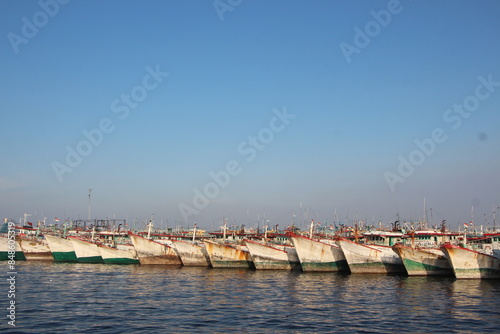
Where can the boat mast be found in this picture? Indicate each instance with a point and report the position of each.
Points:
(150, 226)
(472, 215)
(494, 219)
(311, 229)
(90, 190)
(225, 228)
(425, 216)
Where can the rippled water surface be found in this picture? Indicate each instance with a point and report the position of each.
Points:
(98, 298)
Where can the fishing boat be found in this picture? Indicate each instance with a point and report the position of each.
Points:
(371, 258)
(192, 254)
(5, 247)
(315, 255)
(62, 249)
(153, 252)
(121, 254)
(423, 261)
(35, 249)
(86, 252)
(468, 263)
(227, 255)
(273, 256)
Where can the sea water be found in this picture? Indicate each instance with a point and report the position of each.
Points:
(100, 298)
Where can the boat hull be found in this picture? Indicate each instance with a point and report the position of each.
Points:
(371, 259)
(35, 250)
(469, 264)
(4, 250)
(61, 249)
(86, 252)
(227, 256)
(319, 256)
(273, 256)
(118, 256)
(192, 255)
(151, 252)
(424, 261)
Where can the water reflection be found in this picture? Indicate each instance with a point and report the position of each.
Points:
(94, 298)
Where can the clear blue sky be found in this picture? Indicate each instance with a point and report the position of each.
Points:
(69, 68)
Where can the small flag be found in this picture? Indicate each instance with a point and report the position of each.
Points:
(56, 219)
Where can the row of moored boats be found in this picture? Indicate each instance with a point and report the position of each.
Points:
(419, 253)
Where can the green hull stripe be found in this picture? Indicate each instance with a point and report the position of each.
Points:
(123, 260)
(91, 259)
(64, 256)
(414, 267)
(18, 256)
(377, 267)
(325, 266)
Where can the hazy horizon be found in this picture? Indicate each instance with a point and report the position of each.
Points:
(276, 111)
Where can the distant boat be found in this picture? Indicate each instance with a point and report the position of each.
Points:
(35, 249)
(225, 255)
(4, 250)
(62, 249)
(152, 252)
(315, 255)
(119, 255)
(86, 252)
(423, 261)
(469, 263)
(273, 256)
(192, 254)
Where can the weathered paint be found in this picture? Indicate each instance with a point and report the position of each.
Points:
(61, 249)
(227, 256)
(371, 259)
(118, 256)
(86, 252)
(467, 263)
(319, 256)
(192, 255)
(35, 250)
(4, 250)
(423, 262)
(273, 256)
(154, 253)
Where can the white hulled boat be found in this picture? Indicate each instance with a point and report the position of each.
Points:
(423, 261)
(468, 263)
(225, 255)
(153, 252)
(273, 256)
(5, 247)
(319, 255)
(193, 254)
(376, 255)
(35, 249)
(420, 252)
(86, 252)
(122, 254)
(62, 249)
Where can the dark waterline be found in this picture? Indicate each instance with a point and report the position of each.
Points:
(97, 298)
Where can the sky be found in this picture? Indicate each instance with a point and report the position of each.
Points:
(257, 112)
